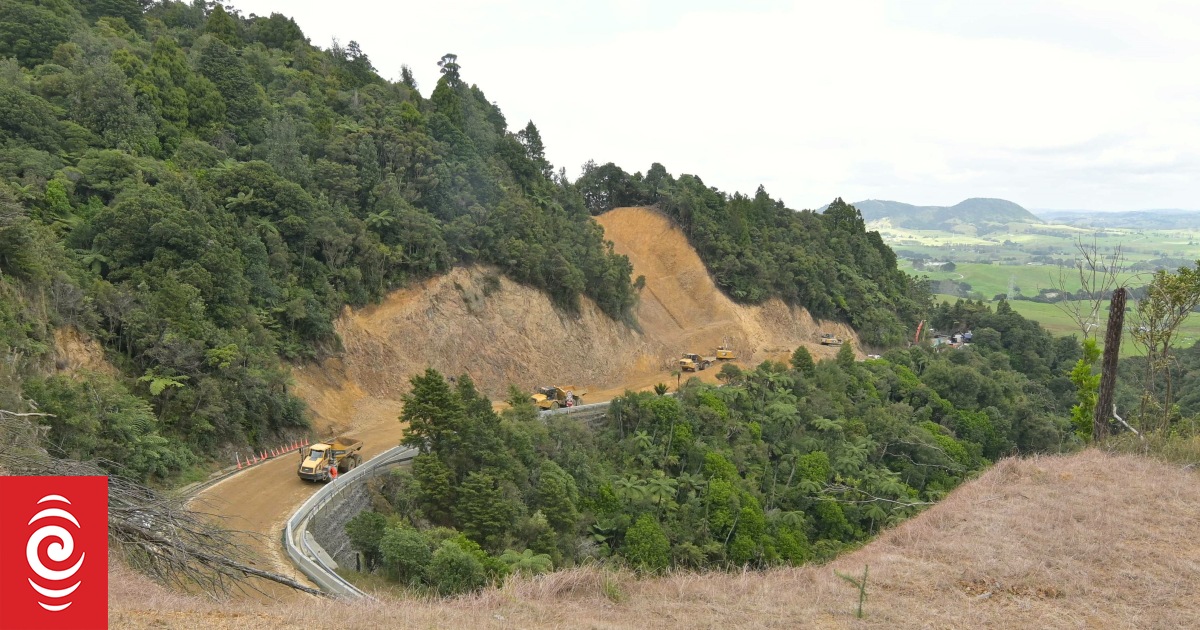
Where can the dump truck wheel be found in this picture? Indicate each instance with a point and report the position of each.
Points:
(554, 405)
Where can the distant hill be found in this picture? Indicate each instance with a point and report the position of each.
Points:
(1167, 219)
(980, 215)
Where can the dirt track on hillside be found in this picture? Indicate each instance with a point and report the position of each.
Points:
(507, 335)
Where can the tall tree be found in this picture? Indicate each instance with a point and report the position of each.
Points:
(223, 26)
(433, 413)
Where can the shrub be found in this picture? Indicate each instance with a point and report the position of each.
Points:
(454, 571)
(646, 546)
(406, 553)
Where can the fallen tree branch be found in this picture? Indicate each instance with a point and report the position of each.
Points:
(836, 488)
(156, 534)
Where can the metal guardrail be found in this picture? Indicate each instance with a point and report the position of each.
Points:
(580, 409)
(296, 544)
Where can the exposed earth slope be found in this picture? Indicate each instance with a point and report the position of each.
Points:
(1089, 540)
(477, 322)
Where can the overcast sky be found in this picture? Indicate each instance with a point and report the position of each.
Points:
(1064, 104)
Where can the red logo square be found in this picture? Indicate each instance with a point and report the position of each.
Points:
(54, 553)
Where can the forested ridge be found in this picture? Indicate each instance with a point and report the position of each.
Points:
(203, 191)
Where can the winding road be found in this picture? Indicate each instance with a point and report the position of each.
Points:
(260, 500)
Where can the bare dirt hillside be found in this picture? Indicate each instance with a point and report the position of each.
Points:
(681, 306)
(1084, 541)
(477, 322)
(75, 351)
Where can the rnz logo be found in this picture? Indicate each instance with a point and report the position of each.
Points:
(61, 550)
(54, 552)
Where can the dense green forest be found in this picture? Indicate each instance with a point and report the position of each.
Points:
(203, 191)
(756, 248)
(781, 464)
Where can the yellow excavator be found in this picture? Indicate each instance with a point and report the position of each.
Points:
(829, 339)
(725, 351)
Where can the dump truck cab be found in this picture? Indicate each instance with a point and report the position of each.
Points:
(553, 396)
(692, 362)
(317, 459)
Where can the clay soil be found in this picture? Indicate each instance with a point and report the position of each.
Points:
(474, 321)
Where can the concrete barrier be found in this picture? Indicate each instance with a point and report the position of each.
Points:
(317, 563)
(304, 552)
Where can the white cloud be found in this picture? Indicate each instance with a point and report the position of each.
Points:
(1064, 103)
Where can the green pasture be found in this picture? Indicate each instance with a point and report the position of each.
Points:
(1023, 241)
(990, 280)
(1053, 319)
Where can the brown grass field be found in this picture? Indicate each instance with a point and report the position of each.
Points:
(1090, 540)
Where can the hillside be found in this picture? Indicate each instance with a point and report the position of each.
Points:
(204, 192)
(1025, 545)
(1171, 219)
(974, 216)
(474, 321)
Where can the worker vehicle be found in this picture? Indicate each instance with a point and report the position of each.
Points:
(725, 351)
(692, 362)
(553, 397)
(829, 339)
(343, 453)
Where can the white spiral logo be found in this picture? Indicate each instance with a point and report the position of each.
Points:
(59, 551)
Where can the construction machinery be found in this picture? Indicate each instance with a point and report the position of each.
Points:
(553, 397)
(829, 339)
(343, 453)
(725, 351)
(692, 362)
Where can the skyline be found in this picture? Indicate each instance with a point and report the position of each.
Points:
(1052, 105)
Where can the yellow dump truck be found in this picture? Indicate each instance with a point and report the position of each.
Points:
(692, 362)
(344, 453)
(553, 397)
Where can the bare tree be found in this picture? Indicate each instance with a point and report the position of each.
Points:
(1098, 274)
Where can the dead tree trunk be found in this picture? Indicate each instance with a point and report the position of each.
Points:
(1108, 365)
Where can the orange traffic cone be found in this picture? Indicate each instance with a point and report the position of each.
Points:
(239, 460)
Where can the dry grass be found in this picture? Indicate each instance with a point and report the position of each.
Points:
(1090, 540)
